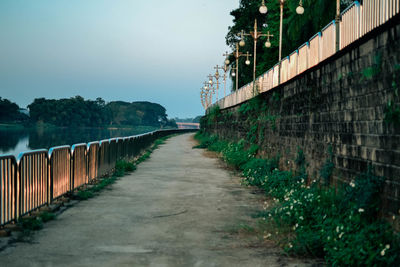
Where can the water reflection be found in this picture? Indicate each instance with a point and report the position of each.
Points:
(9, 140)
(16, 141)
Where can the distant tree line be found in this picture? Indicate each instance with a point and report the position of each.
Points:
(78, 112)
(9, 112)
(196, 119)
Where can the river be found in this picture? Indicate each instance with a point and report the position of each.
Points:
(13, 141)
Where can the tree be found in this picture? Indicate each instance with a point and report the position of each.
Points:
(8, 110)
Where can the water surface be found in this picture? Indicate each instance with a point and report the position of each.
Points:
(13, 141)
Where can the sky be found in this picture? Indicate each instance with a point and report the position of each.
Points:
(159, 51)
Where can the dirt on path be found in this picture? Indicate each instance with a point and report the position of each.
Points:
(179, 208)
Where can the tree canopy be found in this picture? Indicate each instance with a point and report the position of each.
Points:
(9, 112)
(77, 111)
(297, 29)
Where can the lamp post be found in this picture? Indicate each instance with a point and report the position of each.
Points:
(255, 34)
(217, 76)
(299, 10)
(237, 56)
(337, 21)
(233, 72)
(211, 82)
(202, 97)
(208, 94)
(225, 69)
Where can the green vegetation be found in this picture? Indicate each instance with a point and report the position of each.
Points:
(392, 110)
(9, 113)
(213, 114)
(195, 119)
(35, 223)
(77, 111)
(339, 224)
(327, 168)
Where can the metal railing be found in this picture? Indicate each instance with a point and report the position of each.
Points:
(60, 171)
(39, 177)
(8, 188)
(33, 182)
(79, 171)
(93, 160)
(357, 20)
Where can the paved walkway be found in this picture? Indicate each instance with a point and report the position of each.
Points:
(179, 208)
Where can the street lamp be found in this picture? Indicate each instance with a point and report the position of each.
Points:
(233, 72)
(337, 21)
(225, 69)
(299, 10)
(247, 58)
(237, 55)
(202, 97)
(210, 79)
(263, 8)
(255, 34)
(226, 55)
(208, 94)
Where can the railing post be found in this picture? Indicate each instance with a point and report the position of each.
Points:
(337, 21)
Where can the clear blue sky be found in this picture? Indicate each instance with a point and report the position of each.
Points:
(130, 50)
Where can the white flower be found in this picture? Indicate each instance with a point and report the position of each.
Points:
(383, 252)
(267, 236)
(394, 217)
(352, 184)
(328, 238)
(387, 246)
(337, 229)
(290, 245)
(341, 234)
(360, 210)
(301, 218)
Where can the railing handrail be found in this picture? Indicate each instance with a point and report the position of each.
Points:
(30, 152)
(355, 3)
(56, 148)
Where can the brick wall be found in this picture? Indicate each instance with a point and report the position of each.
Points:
(342, 104)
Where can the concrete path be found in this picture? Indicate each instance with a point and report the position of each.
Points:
(179, 208)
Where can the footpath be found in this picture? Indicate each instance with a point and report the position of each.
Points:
(181, 207)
